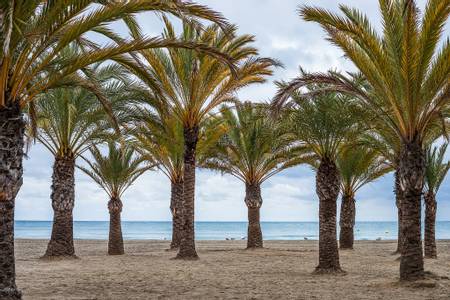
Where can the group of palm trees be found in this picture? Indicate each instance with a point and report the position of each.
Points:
(169, 103)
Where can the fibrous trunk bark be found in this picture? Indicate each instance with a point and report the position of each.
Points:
(12, 128)
(63, 200)
(187, 245)
(430, 225)
(176, 200)
(411, 178)
(347, 222)
(398, 203)
(253, 201)
(115, 242)
(327, 187)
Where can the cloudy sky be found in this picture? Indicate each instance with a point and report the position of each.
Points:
(289, 196)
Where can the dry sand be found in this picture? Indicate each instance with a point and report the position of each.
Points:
(224, 271)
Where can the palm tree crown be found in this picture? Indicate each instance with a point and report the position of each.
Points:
(436, 168)
(255, 147)
(116, 171)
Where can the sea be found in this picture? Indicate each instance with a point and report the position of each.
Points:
(99, 230)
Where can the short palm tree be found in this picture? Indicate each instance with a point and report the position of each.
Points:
(32, 34)
(158, 137)
(255, 148)
(115, 173)
(68, 121)
(358, 166)
(323, 125)
(407, 67)
(193, 85)
(435, 173)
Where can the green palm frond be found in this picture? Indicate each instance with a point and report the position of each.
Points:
(116, 171)
(358, 166)
(33, 34)
(436, 168)
(69, 120)
(407, 66)
(324, 122)
(193, 84)
(255, 146)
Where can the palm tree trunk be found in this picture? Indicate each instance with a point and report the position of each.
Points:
(347, 222)
(63, 199)
(327, 187)
(398, 203)
(430, 224)
(12, 128)
(175, 207)
(115, 243)
(187, 245)
(253, 201)
(411, 177)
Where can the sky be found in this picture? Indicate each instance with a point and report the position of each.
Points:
(289, 196)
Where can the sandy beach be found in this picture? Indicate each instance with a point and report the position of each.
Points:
(225, 271)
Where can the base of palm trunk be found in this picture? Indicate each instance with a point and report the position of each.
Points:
(10, 294)
(330, 270)
(61, 242)
(254, 233)
(187, 255)
(346, 238)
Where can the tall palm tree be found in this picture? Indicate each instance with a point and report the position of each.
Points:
(193, 85)
(358, 166)
(115, 173)
(323, 124)
(407, 67)
(255, 148)
(32, 34)
(435, 173)
(158, 137)
(69, 121)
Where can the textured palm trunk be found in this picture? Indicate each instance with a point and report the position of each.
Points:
(11, 170)
(430, 225)
(253, 201)
(63, 199)
(398, 203)
(347, 222)
(176, 200)
(327, 187)
(411, 177)
(115, 242)
(187, 245)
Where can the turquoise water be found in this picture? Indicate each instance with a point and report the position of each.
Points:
(216, 230)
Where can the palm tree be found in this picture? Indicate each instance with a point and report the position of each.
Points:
(407, 68)
(435, 173)
(158, 137)
(358, 166)
(69, 121)
(384, 141)
(193, 85)
(255, 148)
(323, 125)
(115, 173)
(32, 34)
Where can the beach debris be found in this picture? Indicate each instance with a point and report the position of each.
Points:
(305, 238)
(378, 239)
